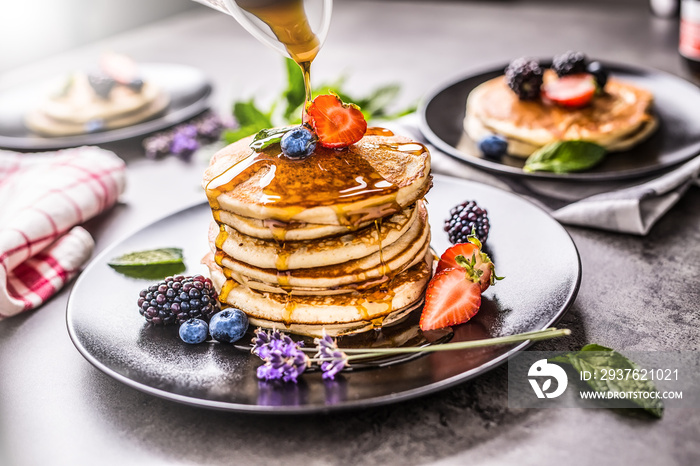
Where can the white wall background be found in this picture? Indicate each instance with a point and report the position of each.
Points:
(32, 29)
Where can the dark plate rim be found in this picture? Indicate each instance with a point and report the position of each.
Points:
(119, 134)
(345, 406)
(493, 167)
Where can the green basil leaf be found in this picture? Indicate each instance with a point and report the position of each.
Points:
(596, 358)
(152, 264)
(267, 137)
(565, 157)
(248, 115)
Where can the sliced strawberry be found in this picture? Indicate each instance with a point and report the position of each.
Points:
(477, 264)
(119, 67)
(575, 90)
(450, 299)
(336, 124)
(447, 260)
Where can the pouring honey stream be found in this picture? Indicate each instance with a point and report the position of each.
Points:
(288, 22)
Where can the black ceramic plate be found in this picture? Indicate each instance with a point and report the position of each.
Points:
(105, 326)
(676, 104)
(187, 87)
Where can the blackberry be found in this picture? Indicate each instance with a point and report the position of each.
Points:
(599, 72)
(135, 85)
(102, 85)
(569, 63)
(524, 77)
(178, 299)
(465, 217)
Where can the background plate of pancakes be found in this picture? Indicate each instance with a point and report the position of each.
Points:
(542, 273)
(676, 139)
(187, 88)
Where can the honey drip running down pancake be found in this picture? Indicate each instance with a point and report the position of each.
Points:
(338, 241)
(617, 119)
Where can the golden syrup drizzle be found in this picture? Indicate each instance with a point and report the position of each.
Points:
(327, 178)
(218, 258)
(306, 73)
(289, 307)
(278, 229)
(221, 237)
(413, 148)
(282, 261)
(377, 323)
(229, 284)
(364, 312)
(378, 131)
(383, 267)
(288, 22)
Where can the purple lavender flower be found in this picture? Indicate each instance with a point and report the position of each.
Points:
(187, 130)
(209, 126)
(287, 364)
(333, 360)
(266, 341)
(184, 141)
(157, 145)
(284, 360)
(261, 343)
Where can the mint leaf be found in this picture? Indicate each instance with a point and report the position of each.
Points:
(295, 94)
(375, 104)
(267, 137)
(595, 359)
(232, 135)
(151, 264)
(565, 157)
(248, 115)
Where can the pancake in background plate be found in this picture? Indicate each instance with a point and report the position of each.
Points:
(617, 119)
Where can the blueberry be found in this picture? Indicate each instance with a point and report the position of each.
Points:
(298, 143)
(194, 331)
(493, 146)
(599, 73)
(228, 326)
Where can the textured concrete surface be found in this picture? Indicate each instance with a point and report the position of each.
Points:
(636, 293)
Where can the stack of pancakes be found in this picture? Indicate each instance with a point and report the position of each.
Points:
(338, 241)
(617, 119)
(78, 109)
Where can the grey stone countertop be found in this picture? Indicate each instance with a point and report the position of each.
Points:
(636, 293)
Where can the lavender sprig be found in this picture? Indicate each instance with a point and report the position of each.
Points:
(283, 359)
(332, 359)
(185, 139)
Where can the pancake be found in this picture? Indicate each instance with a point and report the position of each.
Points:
(616, 120)
(81, 103)
(376, 177)
(397, 232)
(283, 231)
(404, 290)
(337, 241)
(79, 109)
(335, 330)
(354, 275)
(40, 123)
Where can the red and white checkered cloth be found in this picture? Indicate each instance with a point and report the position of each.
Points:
(42, 199)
